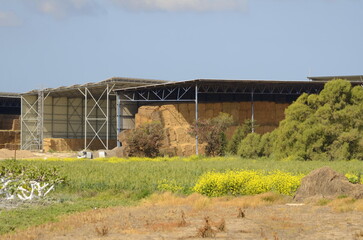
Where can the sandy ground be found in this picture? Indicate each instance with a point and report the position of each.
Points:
(25, 154)
(169, 217)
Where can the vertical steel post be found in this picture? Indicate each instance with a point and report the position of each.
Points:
(85, 119)
(67, 117)
(21, 122)
(107, 113)
(252, 112)
(196, 118)
(52, 135)
(118, 117)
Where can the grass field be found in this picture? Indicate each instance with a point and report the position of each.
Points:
(97, 184)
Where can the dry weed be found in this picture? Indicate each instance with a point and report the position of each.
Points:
(241, 213)
(262, 233)
(221, 226)
(202, 203)
(182, 222)
(255, 201)
(102, 231)
(206, 231)
(345, 204)
(358, 235)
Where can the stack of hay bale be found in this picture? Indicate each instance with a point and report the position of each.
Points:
(177, 119)
(9, 132)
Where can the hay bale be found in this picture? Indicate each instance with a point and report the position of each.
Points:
(217, 108)
(16, 125)
(327, 183)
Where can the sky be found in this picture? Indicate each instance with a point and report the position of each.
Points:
(53, 43)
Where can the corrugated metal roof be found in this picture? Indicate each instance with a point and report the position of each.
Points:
(329, 78)
(223, 81)
(96, 88)
(9, 95)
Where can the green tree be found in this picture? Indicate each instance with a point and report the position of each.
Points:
(325, 126)
(250, 146)
(238, 135)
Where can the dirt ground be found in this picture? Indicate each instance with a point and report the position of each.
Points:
(166, 216)
(25, 154)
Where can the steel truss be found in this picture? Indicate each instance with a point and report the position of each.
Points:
(74, 118)
(84, 116)
(91, 122)
(96, 118)
(185, 92)
(32, 122)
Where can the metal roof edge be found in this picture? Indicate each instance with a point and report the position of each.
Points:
(9, 95)
(335, 77)
(96, 84)
(220, 81)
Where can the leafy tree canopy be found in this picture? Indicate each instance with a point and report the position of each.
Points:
(325, 126)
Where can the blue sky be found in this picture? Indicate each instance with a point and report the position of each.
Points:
(51, 43)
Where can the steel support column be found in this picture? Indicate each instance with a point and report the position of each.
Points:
(252, 113)
(118, 117)
(196, 119)
(32, 122)
(92, 122)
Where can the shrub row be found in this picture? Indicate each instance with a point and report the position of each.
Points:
(246, 182)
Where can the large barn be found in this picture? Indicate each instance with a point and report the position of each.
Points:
(91, 116)
(73, 118)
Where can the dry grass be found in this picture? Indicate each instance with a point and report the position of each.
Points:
(346, 204)
(221, 225)
(102, 231)
(169, 214)
(206, 231)
(182, 222)
(241, 213)
(358, 235)
(200, 202)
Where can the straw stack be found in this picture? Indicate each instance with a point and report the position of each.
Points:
(177, 119)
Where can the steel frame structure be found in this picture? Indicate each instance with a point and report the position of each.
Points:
(86, 112)
(198, 90)
(87, 118)
(91, 122)
(32, 122)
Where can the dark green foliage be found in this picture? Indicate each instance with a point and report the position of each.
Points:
(328, 126)
(240, 133)
(146, 140)
(250, 146)
(211, 131)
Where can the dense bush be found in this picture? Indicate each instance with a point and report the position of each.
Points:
(240, 133)
(249, 182)
(250, 146)
(146, 140)
(325, 126)
(212, 132)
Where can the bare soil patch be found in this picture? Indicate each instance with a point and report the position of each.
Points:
(10, 154)
(166, 216)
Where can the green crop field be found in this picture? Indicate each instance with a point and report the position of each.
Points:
(103, 183)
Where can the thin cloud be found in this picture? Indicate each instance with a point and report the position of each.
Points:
(9, 19)
(63, 8)
(183, 5)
